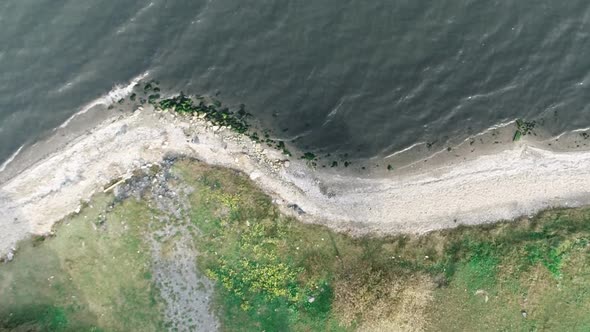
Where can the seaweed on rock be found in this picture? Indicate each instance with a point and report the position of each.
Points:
(211, 112)
(220, 116)
(523, 128)
(309, 156)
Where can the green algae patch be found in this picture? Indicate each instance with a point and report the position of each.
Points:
(91, 276)
(213, 111)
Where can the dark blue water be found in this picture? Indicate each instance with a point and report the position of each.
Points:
(362, 77)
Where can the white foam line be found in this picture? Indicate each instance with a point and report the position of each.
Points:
(333, 112)
(138, 14)
(580, 130)
(491, 93)
(336, 109)
(422, 160)
(496, 126)
(404, 150)
(557, 137)
(9, 160)
(305, 133)
(118, 92)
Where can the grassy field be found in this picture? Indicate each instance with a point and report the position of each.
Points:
(277, 274)
(273, 273)
(93, 276)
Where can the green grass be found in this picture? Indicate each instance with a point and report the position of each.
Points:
(525, 266)
(245, 248)
(382, 283)
(273, 273)
(90, 277)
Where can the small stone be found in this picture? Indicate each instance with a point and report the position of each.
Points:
(122, 130)
(287, 163)
(296, 208)
(524, 314)
(311, 299)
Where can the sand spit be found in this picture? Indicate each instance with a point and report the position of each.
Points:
(505, 185)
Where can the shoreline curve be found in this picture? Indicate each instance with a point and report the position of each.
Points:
(517, 181)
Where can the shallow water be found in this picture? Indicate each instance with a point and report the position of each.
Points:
(357, 77)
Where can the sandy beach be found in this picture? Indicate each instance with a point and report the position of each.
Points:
(516, 181)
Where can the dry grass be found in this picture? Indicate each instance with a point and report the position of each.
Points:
(383, 303)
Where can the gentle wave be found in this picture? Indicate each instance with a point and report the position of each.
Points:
(134, 18)
(483, 132)
(9, 160)
(336, 109)
(118, 92)
(404, 150)
(494, 127)
(579, 130)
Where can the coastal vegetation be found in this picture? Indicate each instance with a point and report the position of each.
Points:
(273, 273)
(523, 128)
(212, 110)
